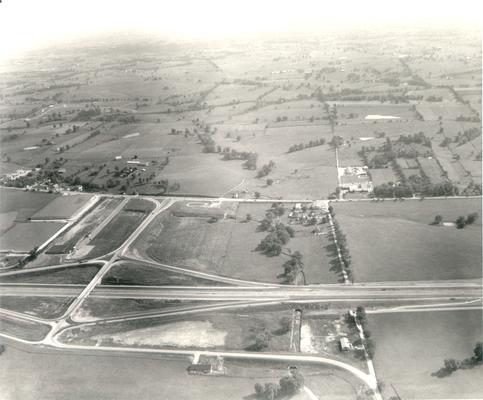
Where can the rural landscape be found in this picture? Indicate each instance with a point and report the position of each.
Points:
(291, 217)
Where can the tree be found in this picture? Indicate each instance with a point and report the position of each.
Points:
(258, 389)
(248, 217)
(478, 352)
(257, 195)
(290, 385)
(361, 314)
(438, 219)
(471, 218)
(450, 365)
(269, 182)
(271, 391)
(460, 222)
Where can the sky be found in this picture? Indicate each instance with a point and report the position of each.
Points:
(28, 24)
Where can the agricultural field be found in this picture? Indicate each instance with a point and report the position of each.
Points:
(96, 380)
(37, 306)
(232, 329)
(118, 230)
(98, 308)
(69, 274)
(66, 242)
(204, 241)
(24, 236)
(63, 207)
(405, 246)
(22, 205)
(23, 329)
(144, 275)
(411, 348)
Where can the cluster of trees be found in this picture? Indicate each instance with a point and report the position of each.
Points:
(415, 185)
(467, 136)
(232, 154)
(473, 189)
(288, 386)
(341, 241)
(209, 145)
(128, 120)
(360, 318)
(293, 268)
(279, 234)
(474, 118)
(301, 146)
(265, 169)
(418, 138)
(451, 365)
(85, 115)
(336, 141)
(461, 221)
(31, 256)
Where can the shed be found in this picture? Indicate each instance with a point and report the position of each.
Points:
(199, 369)
(345, 344)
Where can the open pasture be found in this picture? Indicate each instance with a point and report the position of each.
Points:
(24, 236)
(412, 346)
(405, 246)
(227, 247)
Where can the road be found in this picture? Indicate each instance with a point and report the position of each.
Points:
(419, 297)
(335, 292)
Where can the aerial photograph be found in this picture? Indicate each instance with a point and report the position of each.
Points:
(257, 200)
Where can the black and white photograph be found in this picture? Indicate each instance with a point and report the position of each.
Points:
(241, 200)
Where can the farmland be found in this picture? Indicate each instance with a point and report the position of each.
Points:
(70, 274)
(62, 207)
(412, 346)
(242, 329)
(120, 227)
(24, 236)
(133, 274)
(405, 246)
(42, 307)
(219, 212)
(108, 308)
(95, 380)
(194, 241)
(23, 329)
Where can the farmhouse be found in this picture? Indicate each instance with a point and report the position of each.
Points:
(215, 367)
(355, 179)
(345, 344)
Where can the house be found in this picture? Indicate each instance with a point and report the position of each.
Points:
(345, 344)
(356, 183)
(211, 366)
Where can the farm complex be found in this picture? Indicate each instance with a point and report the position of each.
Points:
(285, 218)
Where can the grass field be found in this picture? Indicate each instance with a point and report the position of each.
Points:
(227, 247)
(57, 375)
(24, 236)
(38, 306)
(394, 241)
(62, 207)
(23, 329)
(65, 243)
(232, 329)
(93, 308)
(25, 204)
(118, 230)
(68, 275)
(134, 274)
(412, 346)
